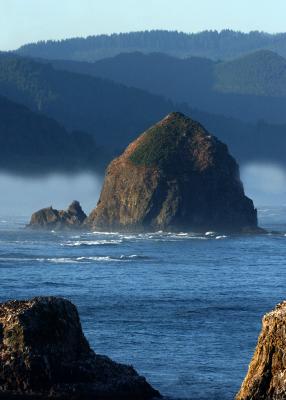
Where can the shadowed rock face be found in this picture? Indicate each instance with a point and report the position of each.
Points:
(175, 176)
(266, 377)
(44, 353)
(50, 218)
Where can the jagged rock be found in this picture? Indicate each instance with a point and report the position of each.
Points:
(44, 353)
(50, 218)
(266, 376)
(175, 176)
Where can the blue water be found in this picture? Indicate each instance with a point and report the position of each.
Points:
(184, 310)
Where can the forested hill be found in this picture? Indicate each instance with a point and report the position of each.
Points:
(32, 143)
(105, 109)
(262, 73)
(222, 45)
(250, 88)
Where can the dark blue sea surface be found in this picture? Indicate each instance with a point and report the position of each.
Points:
(184, 309)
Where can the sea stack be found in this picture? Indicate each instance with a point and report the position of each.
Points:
(175, 177)
(266, 376)
(44, 354)
(50, 218)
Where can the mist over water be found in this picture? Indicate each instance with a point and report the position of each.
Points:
(21, 196)
(265, 183)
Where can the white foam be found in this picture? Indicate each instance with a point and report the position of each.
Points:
(102, 233)
(92, 242)
(59, 260)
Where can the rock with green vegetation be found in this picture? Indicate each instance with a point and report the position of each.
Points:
(174, 177)
(49, 218)
(265, 379)
(44, 354)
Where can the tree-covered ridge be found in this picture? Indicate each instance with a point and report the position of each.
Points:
(33, 143)
(262, 73)
(226, 44)
(30, 80)
(250, 88)
(80, 102)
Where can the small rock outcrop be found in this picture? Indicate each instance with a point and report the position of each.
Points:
(44, 354)
(266, 376)
(50, 218)
(174, 177)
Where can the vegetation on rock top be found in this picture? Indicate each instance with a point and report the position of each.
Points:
(160, 143)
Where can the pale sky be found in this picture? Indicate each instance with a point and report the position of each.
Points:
(23, 21)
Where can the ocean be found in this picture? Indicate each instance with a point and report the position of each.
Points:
(185, 310)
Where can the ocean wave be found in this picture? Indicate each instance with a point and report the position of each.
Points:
(163, 236)
(210, 233)
(99, 242)
(86, 259)
(102, 233)
(70, 260)
(115, 238)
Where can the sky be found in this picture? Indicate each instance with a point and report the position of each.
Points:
(25, 21)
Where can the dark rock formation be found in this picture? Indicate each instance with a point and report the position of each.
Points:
(50, 218)
(175, 176)
(266, 377)
(43, 353)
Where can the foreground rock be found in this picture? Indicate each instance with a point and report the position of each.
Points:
(266, 377)
(50, 218)
(174, 177)
(44, 353)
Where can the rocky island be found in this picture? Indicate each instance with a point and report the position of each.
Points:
(266, 376)
(45, 355)
(175, 177)
(49, 218)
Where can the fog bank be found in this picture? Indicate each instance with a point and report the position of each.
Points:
(265, 183)
(21, 196)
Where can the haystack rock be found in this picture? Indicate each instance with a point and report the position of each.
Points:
(174, 177)
(44, 354)
(266, 377)
(50, 218)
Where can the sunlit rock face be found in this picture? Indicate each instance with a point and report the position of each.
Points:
(174, 177)
(44, 354)
(266, 377)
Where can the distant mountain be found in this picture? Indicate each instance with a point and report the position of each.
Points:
(262, 73)
(32, 143)
(250, 88)
(116, 114)
(81, 102)
(223, 45)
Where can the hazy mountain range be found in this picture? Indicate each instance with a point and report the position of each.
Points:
(249, 88)
(222, 45)
(73, 108)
